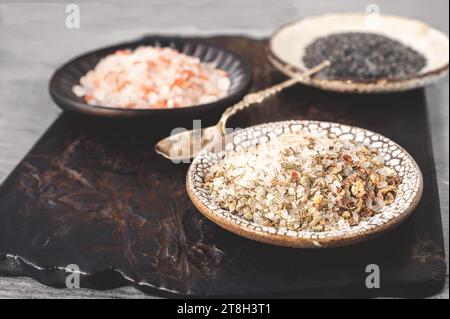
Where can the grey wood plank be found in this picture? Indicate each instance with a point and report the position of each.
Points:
(33, 44)
(22, 287)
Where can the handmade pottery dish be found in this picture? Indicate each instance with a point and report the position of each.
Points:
(68, 76)
(395, 158)
(287, 47)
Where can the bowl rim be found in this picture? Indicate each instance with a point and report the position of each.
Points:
(301, 242)
(72, 105)
(347, 85)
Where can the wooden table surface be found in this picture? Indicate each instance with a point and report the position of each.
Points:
(34, 41)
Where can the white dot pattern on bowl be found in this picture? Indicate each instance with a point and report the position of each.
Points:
(395, 157)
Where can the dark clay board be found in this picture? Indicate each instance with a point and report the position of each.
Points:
(93, 193)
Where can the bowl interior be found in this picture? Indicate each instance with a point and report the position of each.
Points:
(70, 73)
(394, 156)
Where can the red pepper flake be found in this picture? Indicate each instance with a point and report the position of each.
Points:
(147, 89)
(295, 176)
(151, 64)
(178, 82)
(122, 85)
(160, 104)
(188, 73)
(165, 60)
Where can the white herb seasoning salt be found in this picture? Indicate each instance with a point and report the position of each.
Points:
(304, 182)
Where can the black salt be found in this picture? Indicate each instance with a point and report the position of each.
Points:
(363, 57)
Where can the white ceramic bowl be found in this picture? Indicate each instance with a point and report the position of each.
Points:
(287, 45)
(410, 188)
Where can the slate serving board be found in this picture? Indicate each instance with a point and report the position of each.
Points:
(93, 193)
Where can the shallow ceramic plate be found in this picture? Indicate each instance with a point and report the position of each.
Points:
(395, 157)
(287, 46)
(69, 74)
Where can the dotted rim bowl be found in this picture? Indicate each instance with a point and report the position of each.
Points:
(395, 157)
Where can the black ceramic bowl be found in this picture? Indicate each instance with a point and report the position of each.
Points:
(69, 74)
